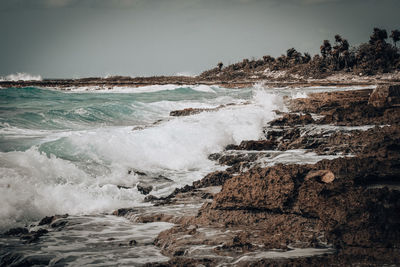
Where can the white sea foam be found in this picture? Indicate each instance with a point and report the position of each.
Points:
(140, 89)
(34, 185)
(21, 76)
(185, 74)
(90, 164)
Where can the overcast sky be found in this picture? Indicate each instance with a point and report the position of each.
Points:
(80, 38)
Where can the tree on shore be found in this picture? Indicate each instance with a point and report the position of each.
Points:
(375, 56)
(325, 48)
(379, 35)
(395, 37)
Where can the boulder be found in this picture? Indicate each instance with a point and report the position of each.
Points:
(385, 96)
(325, 176)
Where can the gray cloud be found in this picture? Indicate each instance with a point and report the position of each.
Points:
(66, 38)
(10, 4)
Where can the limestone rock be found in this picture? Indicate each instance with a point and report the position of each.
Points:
(385, 96)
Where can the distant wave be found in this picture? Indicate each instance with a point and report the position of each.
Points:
(185, 74)
(21, 76)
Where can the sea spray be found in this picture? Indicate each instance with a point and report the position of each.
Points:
(72, 152)
(21, 76)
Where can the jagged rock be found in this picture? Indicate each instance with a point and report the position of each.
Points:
(51, 219)
(144, 189)
(290, 119)
(33, 236)
(385, 96)
(16, 231)
(150, 198)
(213, 179)
(123, 211)
(136, 172)
(253, 145)
(186, 112)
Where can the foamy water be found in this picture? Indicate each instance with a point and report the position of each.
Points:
(21, 76)
(77, 152)
(71, 152)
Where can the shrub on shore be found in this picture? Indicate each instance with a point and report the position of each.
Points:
(374, 57)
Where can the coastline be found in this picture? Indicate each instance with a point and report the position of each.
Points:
(306, 216)
(340, 80)
(344, 211)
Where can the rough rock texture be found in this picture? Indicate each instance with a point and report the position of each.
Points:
(253, 145)
(350, 204)
(291, 119)
(385, 96)
(192, 111)
(352, 107)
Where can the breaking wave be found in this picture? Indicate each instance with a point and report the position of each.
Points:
(72, 152)
(21, 76)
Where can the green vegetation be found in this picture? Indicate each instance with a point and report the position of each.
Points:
(376, 56)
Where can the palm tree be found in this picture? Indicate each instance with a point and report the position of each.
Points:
(307, 57)
(326, 48)
(395, 37)
(378, 35)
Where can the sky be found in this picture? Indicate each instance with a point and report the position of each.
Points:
(82, 38)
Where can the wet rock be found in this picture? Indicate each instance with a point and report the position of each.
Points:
(305, 205)
(192, 111)
(140, 173)
(123, 211)
(16, 231)
(385, 96)
(144, 189)
(253, 145)
(159, 217)
(291, 119)
(213, 179)
(123, 187)
(186, 112)
(51, 219)
(34, 236)
(18, 259)
(150, 198)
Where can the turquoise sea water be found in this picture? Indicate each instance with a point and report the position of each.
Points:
(71, 151)
(76, 152)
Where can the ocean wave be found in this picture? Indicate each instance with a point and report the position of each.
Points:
(141, 89)
(21, 76)
(81, 171)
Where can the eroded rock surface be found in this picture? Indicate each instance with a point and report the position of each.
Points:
(348, 206)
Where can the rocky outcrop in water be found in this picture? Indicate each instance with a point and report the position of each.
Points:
(348, 205)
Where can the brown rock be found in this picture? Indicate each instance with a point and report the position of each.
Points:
(291, 119)
(123, 211)
(186, 112)
(385, 96)
(255, 145)
(213, 179)
(325, 176)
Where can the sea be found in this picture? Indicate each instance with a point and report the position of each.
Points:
(83, 151)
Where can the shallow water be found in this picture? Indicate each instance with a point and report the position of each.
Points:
(79, 151)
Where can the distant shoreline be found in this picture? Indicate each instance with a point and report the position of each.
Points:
(118, 81)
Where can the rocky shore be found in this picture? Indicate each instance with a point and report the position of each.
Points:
(271, 79)
(340, 211)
